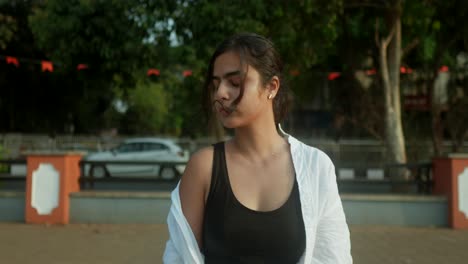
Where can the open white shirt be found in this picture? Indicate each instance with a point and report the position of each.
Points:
(327, 233)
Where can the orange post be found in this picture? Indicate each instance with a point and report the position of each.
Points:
(51, 177)
(451, 179)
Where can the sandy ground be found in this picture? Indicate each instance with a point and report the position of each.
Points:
(100, 244)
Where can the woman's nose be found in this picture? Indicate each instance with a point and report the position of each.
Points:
(222, 92)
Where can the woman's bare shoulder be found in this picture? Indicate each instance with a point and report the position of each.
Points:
(202, 159)
(198, 169)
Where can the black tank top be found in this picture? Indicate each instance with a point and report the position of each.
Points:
(233, 233)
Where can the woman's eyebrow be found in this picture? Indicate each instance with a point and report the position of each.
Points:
(226, 75)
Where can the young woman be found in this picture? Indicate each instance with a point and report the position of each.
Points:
(263, 196)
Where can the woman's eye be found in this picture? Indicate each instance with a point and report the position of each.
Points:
(235, 82)
(215, 85)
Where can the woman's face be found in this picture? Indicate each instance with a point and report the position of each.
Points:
(227, 81)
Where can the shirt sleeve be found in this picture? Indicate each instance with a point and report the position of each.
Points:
(170, 254)
(181, 247)
(332, 242)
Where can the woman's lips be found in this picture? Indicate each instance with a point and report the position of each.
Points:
(224, 111)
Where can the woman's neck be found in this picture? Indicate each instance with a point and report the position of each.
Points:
(259, 139)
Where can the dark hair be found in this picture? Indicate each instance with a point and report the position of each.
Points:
(260, 53)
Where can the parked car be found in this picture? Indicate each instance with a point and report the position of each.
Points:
(140, 149)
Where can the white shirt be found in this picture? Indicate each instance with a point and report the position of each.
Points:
(327, 233)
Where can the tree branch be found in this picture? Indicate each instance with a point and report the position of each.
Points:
(384, 42)
(376, 33)
(369, 128)
(387, 40)
(413, 44)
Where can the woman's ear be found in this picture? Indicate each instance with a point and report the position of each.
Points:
(273, 86)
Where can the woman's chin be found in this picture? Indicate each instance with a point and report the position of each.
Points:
(229, 123)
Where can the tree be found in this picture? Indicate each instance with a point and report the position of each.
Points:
(303, 32)
(456, 119)
(101, 34)
(388, 40)
(356, 58)
(423, 34)
(148, 109)
(442, 41)
(108, 36)
(389, 61)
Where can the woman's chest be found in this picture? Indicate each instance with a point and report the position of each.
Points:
(261, 187)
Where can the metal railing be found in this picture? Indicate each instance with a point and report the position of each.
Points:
(5, 169)
(419, 175)
(87, 178)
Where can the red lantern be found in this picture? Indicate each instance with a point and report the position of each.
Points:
(12, 60)
(82, 67)
(187, 73)
(153, 72)
(444, 68)
(333, 75)
(371, 72)
(47, 66)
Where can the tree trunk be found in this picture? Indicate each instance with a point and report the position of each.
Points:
(389, 58)
(437, 128)
(436, 107)
(438, 125)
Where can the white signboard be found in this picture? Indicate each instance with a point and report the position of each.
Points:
(463, 192)
(45, 189)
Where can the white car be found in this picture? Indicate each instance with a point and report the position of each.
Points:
(140, 149)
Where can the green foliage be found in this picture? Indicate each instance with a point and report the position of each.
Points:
(428, 48)
(304, 32)
(7, 29)
(119, 40)
(148, 108)
(438, 25)
(106, 35)
(100, 33)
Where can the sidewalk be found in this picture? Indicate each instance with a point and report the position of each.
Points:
(101, 244)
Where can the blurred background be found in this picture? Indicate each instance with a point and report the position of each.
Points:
(373, 83)
(381, 86)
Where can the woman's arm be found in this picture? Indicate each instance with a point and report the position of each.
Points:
(194, 186)
(332, 243)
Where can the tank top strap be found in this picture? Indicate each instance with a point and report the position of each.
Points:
(218, 171)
